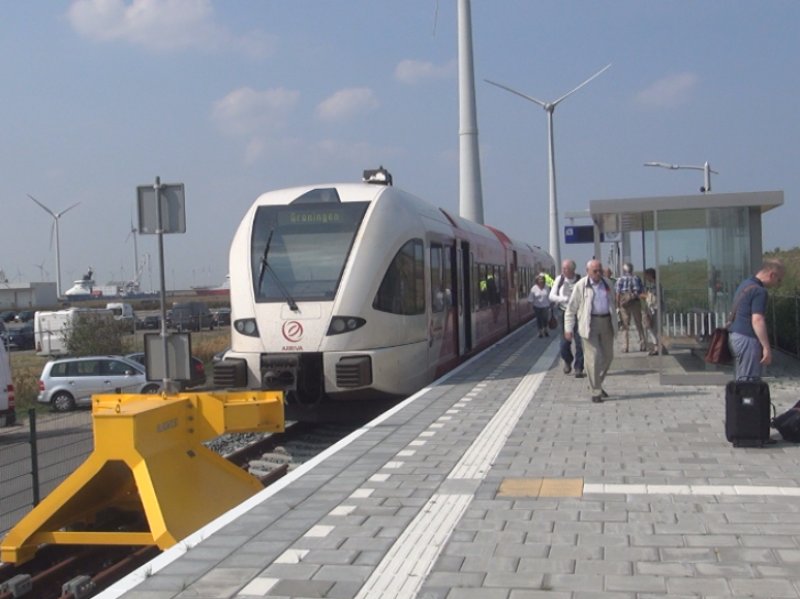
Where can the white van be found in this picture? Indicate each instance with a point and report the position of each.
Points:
(123, 312)
(50, 328)
(7, 414)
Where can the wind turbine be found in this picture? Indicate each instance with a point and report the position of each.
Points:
(133, 232)
(43, 274)
(549, 108)
(56, 217)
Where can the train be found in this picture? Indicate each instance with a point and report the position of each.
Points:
(349, 297)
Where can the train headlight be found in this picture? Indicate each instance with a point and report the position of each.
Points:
(246, 326)
(345, 324)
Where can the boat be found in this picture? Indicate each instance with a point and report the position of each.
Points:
(223, 289)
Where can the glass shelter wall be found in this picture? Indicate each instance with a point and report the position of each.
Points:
(702, 255)
(702, 247)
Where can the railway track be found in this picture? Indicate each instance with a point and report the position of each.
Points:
(70, 572)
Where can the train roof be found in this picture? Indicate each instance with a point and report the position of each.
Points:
(371, 192)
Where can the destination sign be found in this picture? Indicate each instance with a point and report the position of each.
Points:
(310, 217)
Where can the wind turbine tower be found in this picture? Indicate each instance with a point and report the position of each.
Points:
(470, 192)
(549, 108)
(56, 217)
(134, 232)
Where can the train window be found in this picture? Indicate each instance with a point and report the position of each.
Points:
(402, 290)
(449, 265)
(437, 288)
(300, 251)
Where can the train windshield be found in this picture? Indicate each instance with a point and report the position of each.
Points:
(298, 252)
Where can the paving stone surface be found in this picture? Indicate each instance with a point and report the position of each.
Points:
(663, 505)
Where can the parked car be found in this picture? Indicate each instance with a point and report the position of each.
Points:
(21, 337)
(8, 414)
(25, 315)
(7, 316)
(191, 316)
(151, 323)
(222, 317)
(218, 357)
(70, 382)
(198, 370)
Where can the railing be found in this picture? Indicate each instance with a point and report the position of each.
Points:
(783, 321)
(36, 456)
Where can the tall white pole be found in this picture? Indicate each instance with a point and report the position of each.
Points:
(58, 260)
(470, 193)
(555, 249)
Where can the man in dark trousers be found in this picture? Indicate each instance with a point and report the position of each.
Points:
(559, 296)
(748, 330)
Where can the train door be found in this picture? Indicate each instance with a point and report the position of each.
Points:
(442, 326)
(464, 284)
(512, 301)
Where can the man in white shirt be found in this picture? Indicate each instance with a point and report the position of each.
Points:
(559, 296)
(592, 307)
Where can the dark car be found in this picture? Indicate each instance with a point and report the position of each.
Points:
(8, 316)
(151, 322)
(191, 316)
(222, 317)
(198, 370)
(21, 337)
(25, 315)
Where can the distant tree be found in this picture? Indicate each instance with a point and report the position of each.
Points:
(93, 335)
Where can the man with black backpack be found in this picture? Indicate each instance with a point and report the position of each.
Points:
(559, 296)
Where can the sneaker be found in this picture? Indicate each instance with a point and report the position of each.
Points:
(567, 368)
(579, 374)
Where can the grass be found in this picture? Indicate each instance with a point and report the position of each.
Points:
(26, 366)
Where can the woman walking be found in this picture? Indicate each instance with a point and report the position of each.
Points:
(540, 298)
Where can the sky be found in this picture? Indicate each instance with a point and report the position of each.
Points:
(234, 99)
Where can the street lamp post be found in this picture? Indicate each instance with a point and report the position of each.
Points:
(705, 168)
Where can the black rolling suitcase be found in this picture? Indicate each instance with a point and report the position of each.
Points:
(747, 413)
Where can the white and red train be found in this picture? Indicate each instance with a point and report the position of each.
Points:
(349, 296)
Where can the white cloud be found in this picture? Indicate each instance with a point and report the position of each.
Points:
(669, 91)
(415, 71)
(346, 103)
(247, 112)
(160, 25)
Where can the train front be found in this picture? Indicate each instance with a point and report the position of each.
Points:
(287, 263)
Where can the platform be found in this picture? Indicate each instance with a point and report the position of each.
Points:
(505, 481)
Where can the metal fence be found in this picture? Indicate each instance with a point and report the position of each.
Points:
(680, 320)
(36, 456)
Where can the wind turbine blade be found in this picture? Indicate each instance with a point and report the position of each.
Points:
(45, 208)
(520, 94)
(60, 214)
(597, 74)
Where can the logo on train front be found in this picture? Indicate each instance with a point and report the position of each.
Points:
(292, 331)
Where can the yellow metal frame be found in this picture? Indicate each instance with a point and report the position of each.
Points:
(149, 464)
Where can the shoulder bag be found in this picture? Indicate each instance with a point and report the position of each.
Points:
(719, 351)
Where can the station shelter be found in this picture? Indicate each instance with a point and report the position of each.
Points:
(701, 246)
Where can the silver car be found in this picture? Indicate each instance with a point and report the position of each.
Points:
(70, 382)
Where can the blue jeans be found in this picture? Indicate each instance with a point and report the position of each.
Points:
(747, 351)
(566, 346)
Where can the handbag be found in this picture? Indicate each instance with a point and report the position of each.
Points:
(719, 352)
(553, 322)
